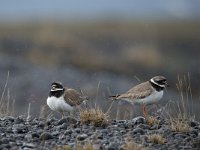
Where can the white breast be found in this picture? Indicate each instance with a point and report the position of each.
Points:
(151, 99)
(58, 104)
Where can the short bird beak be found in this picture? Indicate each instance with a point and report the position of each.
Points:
(167, 85)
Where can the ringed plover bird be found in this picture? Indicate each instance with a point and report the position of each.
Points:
(146, 93)
(63, 99)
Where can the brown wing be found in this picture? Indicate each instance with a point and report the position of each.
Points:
(73, 97)
(139, 91)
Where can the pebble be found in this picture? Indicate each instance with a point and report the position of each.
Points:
(35, 135)
(19, 120)
(67, 132)
(179, 135)
(63, 126)
(194, 123)
(8, 118)
(68, 120)
(4, 141)
(19, 128)
(138, 131)
(28, 137)
(143, 126)
(138, 120)
(46, 136)
(82, 137)
(17, 133)
(28, 145)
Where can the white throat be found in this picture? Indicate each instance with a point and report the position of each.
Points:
(156, 83)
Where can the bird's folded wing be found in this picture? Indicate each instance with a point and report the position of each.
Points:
(135, 95)
(138, 92)
(73, 97)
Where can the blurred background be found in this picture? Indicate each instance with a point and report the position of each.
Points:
(101, 47)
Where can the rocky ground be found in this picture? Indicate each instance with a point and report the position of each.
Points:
(68, 133)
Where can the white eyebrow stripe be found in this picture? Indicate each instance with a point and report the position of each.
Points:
(57, 90)
(157, 83)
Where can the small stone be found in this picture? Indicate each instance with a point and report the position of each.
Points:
(26, 148)
(71, 120)
(67, 132)
(28, 145)
(143, 126)
(100, 136)
(19, 120)
(35, 135)
(41, 125)
(68, 120)
(8, 118)
(179, 135)
(188, 139)
(12, 144)
(5, 146)
(121, 121)
(9, 130)
(19, 128)
(5, 141)
(50, 121)
(46, 136)
(63, 126)
(55, 133)
(197, 127)
(195, 132)
(194, 124)
(193, 136)
(19, 143)
(112, 146)
(196, 143)
(78, 130)
(113, 122)
(185, 147)
(2, 129)
(28, 137)
(138, 130)
(138, 120)
(82, 137)
(155, 127)
(36, 120)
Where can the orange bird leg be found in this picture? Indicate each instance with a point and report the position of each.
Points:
(144, 111)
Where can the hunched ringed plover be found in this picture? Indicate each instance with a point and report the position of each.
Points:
(146, 93)
(64, 99)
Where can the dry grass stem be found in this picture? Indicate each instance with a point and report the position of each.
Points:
(152, 121)
(156, 138)
(86, 146)
(129, 144)
(65, 147)
(6, 107)
(183, 113)
(180, 124)
(185, 101)
(94, 116)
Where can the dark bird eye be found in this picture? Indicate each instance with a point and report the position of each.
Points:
(162, 81)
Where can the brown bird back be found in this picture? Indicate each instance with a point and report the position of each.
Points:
(73, 97)
(137, 92)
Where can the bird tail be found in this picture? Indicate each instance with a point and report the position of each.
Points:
(114, 97)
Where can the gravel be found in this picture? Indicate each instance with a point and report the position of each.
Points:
(18, 133)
